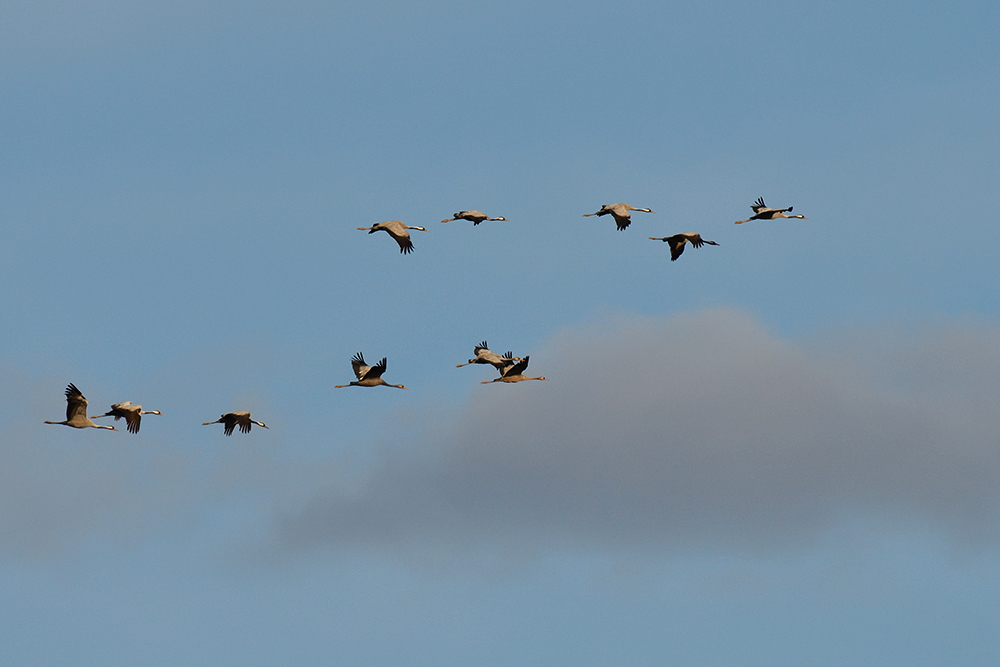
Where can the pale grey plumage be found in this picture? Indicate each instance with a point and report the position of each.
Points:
(620, 212)
(677, 242)
(514, 373)
(76, 411)
(397, 230)
(485, 356)
(368, 376)
(240, 418)
(475, 217)
(132, 414)
(762, 212)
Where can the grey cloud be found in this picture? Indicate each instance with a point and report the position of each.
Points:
(697, 429)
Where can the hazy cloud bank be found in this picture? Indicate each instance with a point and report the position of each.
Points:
(692, 430)
(702, 428)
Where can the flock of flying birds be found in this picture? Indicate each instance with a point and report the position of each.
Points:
(511, 368)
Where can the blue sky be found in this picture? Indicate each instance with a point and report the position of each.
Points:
(778, 451)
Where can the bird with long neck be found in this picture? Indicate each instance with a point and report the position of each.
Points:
(514, 373)
(132, 414)
(368, 376)
(762, 212)
(620, 212)
(397, 230)
(677, 242)
(486, 356)
(475, 217)
(76, 411)
(231, 420)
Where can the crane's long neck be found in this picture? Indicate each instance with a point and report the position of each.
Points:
(397, 386)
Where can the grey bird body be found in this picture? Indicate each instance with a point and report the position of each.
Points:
(397, 230)
(132, 414)
(515, 373)
(620, 212)
(762, 212)
(485, 356)
(475, 217)
(240, 418)
(677, 242)
(368, 376)
(76, 411)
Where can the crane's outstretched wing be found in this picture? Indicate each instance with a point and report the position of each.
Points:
(622, 220)
(375, 371)
(676, 242)
(359, 365)
(405, 244)
(76, 404)
(516, 369)
(133, 418)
